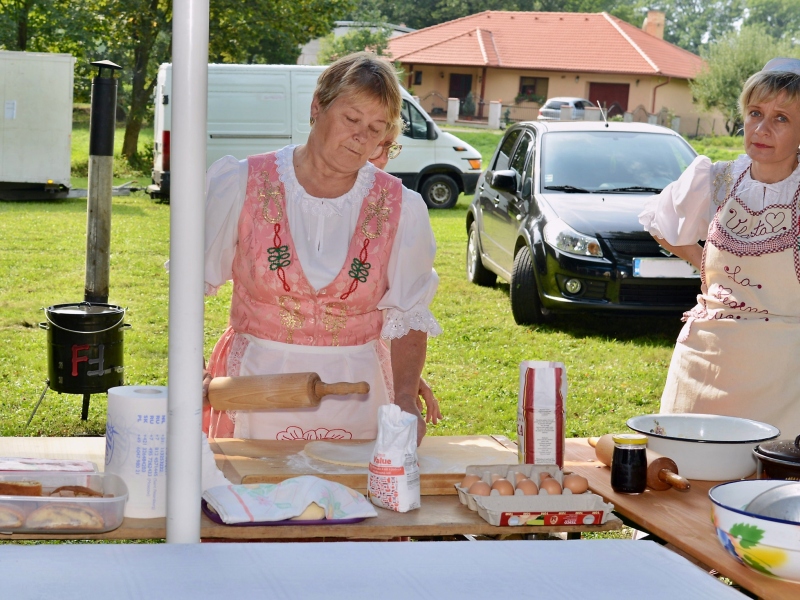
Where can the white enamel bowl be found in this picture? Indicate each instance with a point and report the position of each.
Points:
(770, 546)
(708, 447)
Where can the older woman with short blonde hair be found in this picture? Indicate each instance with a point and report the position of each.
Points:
(331, 261)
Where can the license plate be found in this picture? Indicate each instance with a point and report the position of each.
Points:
(674, 268)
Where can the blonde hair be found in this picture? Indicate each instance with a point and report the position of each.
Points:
(363, 75)
(768, 85)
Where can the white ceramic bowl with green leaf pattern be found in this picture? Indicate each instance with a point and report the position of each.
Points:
(770, 546)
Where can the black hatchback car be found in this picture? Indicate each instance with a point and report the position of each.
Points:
(556, 215)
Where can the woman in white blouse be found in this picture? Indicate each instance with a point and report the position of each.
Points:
(330, 259)
(738, 350)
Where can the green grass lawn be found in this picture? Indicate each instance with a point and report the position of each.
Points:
(616, 365)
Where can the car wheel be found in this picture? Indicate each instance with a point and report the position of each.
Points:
(524, 295)
(439, 191)
(476, 272)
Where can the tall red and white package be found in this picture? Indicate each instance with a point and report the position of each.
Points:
(541, 412)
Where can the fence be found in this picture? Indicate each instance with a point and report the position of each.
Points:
(434, 104)
(524, 111)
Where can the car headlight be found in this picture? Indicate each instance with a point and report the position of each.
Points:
(561, 236)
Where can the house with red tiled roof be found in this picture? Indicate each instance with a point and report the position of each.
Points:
(515, 57)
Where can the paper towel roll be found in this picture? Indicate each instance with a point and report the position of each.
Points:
(136, 447)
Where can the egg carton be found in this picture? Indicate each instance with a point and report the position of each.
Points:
(508, 472)
(566, 509)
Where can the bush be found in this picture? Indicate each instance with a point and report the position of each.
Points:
(142, 161)
(468, 106)
(530, 98)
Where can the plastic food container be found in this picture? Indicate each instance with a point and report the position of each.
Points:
(57, 514)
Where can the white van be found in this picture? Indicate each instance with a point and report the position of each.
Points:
(258, 108)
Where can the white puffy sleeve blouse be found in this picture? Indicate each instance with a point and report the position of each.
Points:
(318, 228)
(682, 212)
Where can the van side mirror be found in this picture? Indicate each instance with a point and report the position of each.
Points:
(504, 181)
(432, 135)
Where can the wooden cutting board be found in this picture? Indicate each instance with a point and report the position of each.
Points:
(443, 461)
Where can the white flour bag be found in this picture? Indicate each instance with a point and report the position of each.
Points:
(394, 471)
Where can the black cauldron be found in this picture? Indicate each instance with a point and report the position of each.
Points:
(85, 348)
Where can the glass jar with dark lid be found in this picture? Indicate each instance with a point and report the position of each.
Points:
(629, 463)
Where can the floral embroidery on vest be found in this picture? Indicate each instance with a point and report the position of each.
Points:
(335, 319)
(359, 268)
(291, 318)
(279, 255)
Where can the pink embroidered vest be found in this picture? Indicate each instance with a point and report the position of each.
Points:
(272, 298)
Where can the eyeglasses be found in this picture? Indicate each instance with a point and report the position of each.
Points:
(392, 150)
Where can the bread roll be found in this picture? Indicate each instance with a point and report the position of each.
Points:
(72, 491)
(65, 516)
(20, 488)
(10, 517)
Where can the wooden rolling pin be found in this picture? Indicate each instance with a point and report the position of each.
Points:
(662, 472)
(288, 390)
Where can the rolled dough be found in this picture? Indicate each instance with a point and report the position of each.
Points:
(350, 455)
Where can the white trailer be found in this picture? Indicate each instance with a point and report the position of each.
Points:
(259, 108)
(36, 128)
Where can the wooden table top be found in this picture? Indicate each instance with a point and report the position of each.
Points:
(438, 515)
(681, 518)
(443, 461)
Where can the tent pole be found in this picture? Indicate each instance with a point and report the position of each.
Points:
(186, 250)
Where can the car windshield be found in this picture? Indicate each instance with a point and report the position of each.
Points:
(611, 161)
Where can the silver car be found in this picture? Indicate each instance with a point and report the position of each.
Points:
(551, 111)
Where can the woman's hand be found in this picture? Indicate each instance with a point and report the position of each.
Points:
(432, 412)
(206, 381)
(410, 404)
(693, 253)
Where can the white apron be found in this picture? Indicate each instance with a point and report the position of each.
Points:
(739, 351)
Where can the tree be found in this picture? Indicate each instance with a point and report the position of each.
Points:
(135, 34)
(691, 24)
(374, 39)
(370, 33)
(15, 15)
(780, 17)
(730, 62)
(468, 106)
(424, 13)
(269, 31)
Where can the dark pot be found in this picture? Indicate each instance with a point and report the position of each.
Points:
(779, 459)
(85, 347)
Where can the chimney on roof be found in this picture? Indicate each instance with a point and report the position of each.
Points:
(654, 23)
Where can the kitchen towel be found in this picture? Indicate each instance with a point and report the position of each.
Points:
(136, 447)
(262, 502)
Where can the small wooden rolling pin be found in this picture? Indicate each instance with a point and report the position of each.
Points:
(662, 472)
(264, 392)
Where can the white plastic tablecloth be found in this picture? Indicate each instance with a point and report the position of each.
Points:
(600, 569)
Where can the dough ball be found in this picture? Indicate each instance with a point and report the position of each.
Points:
(313, 512)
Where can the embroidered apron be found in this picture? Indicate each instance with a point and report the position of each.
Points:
(738, 352)
(279, 323)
